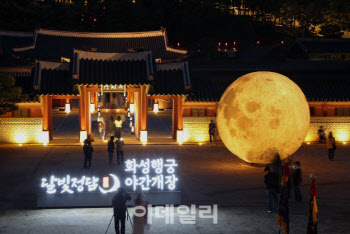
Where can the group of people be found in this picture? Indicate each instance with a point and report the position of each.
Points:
(118, 146)
(330, 140)
(272, 180)
(115, 125)
(120, 212)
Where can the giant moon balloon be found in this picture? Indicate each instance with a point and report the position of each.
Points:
(263, 114)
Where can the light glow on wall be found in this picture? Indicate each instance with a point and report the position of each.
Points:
(156, 108)
(92, 107)
(179, 136)
(83, 136)
(67, 108)
(132, 107)
(45, 137)
(143, 136)
(20, 137)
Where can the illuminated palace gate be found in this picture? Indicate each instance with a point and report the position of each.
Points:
(136, 104)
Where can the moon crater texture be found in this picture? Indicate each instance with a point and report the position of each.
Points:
(263, 114)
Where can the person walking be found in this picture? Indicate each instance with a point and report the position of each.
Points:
(111, 125)
(119, 209)
(111, 148)
(212, 128)
(271, 182)
(88, 149)
(140, 215)
(118, 127)
(119, 143)
(331, 146)
(297, 179)
(102, 128)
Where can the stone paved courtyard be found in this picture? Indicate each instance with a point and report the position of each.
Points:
(207, 175)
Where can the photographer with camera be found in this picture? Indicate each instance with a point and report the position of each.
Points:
(119, 207)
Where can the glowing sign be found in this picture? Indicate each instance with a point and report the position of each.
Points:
(105, 182)
(113, 88)
(72, 185)
(152, 175)
(146, 174)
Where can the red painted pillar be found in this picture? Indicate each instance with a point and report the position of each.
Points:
(175, 117)
(50, 117)
(82, 118)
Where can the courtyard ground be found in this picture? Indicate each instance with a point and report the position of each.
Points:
(207, 175)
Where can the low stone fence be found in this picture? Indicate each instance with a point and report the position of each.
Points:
(340, 126)
(21, 130)
(196, 128)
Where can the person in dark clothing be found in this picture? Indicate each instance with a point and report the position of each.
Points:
(212, 128)
(321, 135)
(119, 208)
(120, 150)
(111, 149)
(271, 182)
(88, 149)
(331, 146)
(297, 181)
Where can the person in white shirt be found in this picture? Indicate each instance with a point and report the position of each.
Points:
(118, 123)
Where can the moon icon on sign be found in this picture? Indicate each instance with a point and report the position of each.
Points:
(115, 186)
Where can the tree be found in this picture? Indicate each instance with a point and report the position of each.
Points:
(331, 31)
(9, 94)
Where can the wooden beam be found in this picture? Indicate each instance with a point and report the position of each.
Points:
(93, 90)
(132, 89)
(162, 96)
(65, 97)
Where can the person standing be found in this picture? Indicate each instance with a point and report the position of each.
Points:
(297, 181)
(120, 150)
(140, 215)
(321, 135)
(118, 127)
(119, 209)
(88, 149)
(331, 146)
(111, 148)
(212, 128)
(102, 128)
(111, 125)
(271, 182)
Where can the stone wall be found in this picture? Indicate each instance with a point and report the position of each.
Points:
(340, 126)
(196, 128)
(21, 130)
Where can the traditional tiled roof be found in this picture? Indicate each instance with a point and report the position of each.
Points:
(51, 44)
(112, 68)
(317, 86)
(53, 78)
(112, 72)
(56, 82)
(24, 78)
(324, 45)
(171, 79)
(14, 62)
(11, 40)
